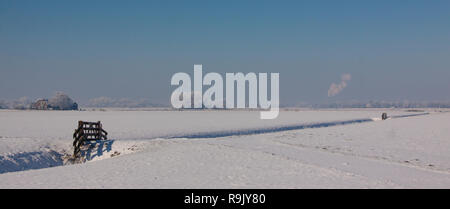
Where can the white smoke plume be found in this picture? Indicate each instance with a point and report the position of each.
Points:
(335, 89)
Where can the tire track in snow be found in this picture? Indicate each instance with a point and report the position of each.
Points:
(333, 150)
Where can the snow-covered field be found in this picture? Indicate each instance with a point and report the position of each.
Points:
(228, 149)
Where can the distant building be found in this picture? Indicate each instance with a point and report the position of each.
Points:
(59, 102)
(75, 106)
(40, 104)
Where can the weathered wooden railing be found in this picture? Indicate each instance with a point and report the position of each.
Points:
(87, 131)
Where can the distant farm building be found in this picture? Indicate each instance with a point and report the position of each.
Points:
(59, 102)
(40, 104)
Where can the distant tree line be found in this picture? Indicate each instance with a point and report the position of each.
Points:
(379, 104)
(63, 102)
(121, 102)
(59, 102)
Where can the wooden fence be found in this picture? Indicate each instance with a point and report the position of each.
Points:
(87, 131)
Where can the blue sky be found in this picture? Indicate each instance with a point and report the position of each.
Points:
(394, 50)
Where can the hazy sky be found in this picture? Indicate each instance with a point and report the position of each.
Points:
(393, 50)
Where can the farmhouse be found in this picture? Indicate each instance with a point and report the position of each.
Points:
(40, 104)
(59, 102)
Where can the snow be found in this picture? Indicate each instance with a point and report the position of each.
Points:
(228, 149)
